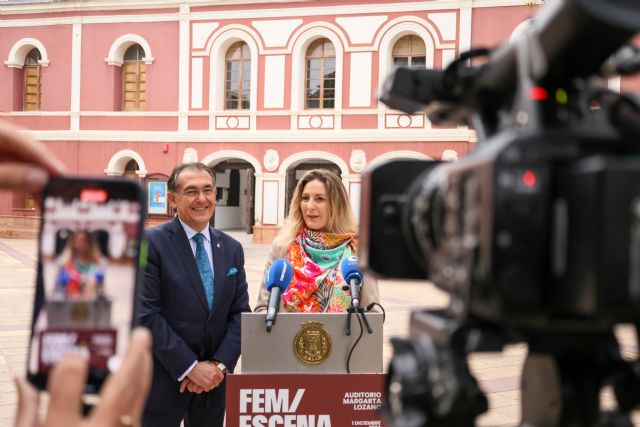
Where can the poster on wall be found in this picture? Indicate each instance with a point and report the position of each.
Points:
(158, 197)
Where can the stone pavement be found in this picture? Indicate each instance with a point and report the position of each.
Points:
(498, 374)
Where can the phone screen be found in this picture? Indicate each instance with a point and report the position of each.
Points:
(88, 270)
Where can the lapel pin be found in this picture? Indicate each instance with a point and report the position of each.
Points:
(218, 245)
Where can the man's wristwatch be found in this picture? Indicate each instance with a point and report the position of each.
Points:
(222, 367)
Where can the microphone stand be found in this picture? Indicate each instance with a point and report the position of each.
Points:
(357, 309)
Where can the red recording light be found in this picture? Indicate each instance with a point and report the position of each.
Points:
(529, 179)
(93, 195)
(538, 93)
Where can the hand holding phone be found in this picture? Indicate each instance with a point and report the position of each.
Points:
(88, 274)
(121, 401)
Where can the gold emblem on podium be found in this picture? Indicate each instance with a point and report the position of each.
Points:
(80, 312)
(312, 344)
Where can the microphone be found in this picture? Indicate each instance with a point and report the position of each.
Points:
(353, 276)
(278, 279)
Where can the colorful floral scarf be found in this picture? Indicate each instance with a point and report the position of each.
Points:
(317, 283)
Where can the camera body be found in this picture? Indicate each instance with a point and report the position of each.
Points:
(536, 228)
(532, 230)
(535, 234)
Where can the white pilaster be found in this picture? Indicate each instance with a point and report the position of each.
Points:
(183, 69)
(360, 79)
(355, 186)
(464, 43)
(282, 199)
(197, 67)
(76, 67)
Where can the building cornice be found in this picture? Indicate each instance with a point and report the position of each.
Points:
(252, 11)
(335, 136)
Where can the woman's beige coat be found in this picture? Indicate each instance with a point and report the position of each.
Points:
(369, 291)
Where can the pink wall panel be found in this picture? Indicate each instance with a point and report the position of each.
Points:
(363, 121)
(198, 123)
(273, 122)
(95, 155)
(485, 32)
(98, 78)
(56, 77)
(37, 122)
(149, 123)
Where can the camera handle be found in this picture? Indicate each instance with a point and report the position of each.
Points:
(562, 388)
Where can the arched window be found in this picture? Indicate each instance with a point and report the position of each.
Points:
(130, 170)
(320, 75)
(32, 89)
(134, 78)
(409, 51)
(237, 81)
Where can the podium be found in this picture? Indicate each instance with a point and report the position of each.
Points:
(296, 375)
(311, 343)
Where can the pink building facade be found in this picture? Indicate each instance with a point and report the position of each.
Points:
(257, 152)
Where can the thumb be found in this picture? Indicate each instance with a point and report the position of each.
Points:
(17, 176)
(28, 400)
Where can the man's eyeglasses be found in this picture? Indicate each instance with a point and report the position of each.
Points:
(193, 193)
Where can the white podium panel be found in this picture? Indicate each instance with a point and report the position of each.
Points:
(311, 343)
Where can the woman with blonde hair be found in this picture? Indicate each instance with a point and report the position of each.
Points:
(318, 234)
(81, 272)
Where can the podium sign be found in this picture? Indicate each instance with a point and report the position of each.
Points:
(330, 400)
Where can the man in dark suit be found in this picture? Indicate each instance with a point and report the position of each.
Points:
(193, 294)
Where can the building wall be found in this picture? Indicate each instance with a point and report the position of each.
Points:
(185, 43)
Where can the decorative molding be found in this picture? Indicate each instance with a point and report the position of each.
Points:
(393, 31)
(271, 160)
(399, 154)
(358, 160)
(449, 156)
(201, 31)
(222, 155)
(301, 156)
(519, 30)
(119, 161)
(275, 136)
(315, 121)
(120, 46)
(398, 27)
(361, 29)
(96, 7)
(217, 45)
(447, 23)
(232, 122)
(21, 48)
(190, 155)
(404, 121)
(302, 40)
(277, 32)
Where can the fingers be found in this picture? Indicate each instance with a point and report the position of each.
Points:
(125, 392)
(16, 145)
(16, 176)
(28, 401)
(193, 388)
(183, 385)
(66, 385)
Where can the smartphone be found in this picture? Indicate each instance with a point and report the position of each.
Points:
(90, 256)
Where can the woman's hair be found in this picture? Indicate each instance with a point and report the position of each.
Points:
(341, 218)
(95, 254)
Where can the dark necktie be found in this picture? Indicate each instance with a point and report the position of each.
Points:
(204, 267)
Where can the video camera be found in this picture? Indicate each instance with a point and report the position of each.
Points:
(535, 234)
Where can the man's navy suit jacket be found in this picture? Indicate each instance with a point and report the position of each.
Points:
(174, 307)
